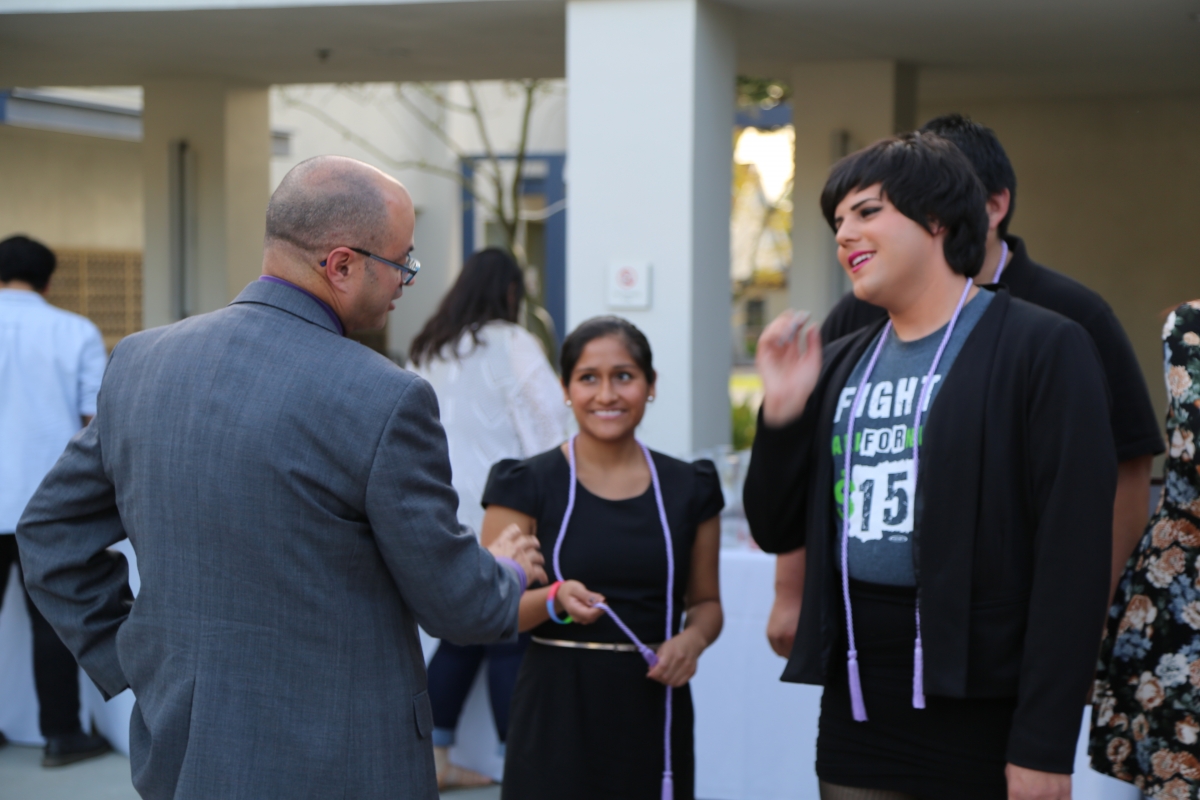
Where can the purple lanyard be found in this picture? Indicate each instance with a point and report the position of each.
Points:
(668, 789)
(1003, 259)
(856, 695)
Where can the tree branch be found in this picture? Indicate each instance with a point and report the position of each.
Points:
(497, 175)
(531, 88)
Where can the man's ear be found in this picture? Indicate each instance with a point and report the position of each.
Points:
(336, 265)
(997, 207)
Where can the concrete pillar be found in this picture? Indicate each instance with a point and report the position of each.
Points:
(206, 167)
(837, 108)
(649, 143)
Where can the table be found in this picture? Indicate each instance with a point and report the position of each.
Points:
(755, 736)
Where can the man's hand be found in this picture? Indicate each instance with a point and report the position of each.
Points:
(1030, 784)
(789, 372)
(522, 548)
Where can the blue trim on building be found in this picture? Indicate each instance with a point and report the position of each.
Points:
(554, 189)
(766, 119)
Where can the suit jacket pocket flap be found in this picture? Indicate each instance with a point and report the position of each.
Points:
(424, 713)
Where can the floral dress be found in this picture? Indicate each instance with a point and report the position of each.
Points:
(1146, 706)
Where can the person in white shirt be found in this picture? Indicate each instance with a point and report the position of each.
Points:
(51, 363)
(499, 398)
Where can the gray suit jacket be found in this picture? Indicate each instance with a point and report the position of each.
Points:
(287, 492)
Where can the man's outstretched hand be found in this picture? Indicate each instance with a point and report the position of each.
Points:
(522, 548)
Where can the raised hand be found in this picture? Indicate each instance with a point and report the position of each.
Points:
(789, 368)
(575, 599)
(522, 548)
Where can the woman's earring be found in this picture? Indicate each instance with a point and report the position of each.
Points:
(567, 402)
(650, 399)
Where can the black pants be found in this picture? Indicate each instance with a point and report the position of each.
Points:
(55, 672)
(452, 671)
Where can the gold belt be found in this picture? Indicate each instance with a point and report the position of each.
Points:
(613, 648)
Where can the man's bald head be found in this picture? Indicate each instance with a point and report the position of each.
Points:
(331, 201)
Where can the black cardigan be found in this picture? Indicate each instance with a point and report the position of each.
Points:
(1012, 536)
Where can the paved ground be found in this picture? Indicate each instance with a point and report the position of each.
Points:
(106, 778)
(22, 777)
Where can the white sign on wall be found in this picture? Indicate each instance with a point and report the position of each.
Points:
(629, 285)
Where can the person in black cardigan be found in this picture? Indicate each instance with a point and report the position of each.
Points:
(1012, 505)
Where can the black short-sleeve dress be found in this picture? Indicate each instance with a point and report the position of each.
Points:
(589, 723)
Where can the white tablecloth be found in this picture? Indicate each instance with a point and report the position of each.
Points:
(18, 698)
(755, 736)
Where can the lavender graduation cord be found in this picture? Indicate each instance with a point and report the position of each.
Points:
(668, 783)
(1003, 258)
(858, 707)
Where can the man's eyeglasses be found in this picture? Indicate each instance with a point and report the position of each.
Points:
(410, 267)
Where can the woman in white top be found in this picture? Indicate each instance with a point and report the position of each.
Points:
(499, 399)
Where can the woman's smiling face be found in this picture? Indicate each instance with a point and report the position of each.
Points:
(881, 250)
(608, 390)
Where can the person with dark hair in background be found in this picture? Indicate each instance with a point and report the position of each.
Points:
(1133, 420)
(602, 708)
(950, 474)
(51, 363)
(1146, 705)
(498, 399)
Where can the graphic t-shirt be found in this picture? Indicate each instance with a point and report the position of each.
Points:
(881, 466)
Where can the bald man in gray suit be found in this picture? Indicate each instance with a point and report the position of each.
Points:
(287, 492)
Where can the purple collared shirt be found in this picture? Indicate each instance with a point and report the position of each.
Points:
(327, 308)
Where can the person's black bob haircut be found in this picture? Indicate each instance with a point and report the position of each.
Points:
(981, 147)
(930, 181)
(490, 287)
(23, 259)
(597, 328)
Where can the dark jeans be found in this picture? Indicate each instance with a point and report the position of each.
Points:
(451, 673)
(55, 672)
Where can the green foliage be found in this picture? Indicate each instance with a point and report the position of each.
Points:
(762, 92)
(745, 422)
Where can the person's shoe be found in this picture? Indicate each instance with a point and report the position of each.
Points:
(3, 739)
(72, 747)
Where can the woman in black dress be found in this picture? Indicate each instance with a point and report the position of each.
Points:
(588, 717)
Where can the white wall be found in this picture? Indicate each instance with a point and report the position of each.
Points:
(69, 190)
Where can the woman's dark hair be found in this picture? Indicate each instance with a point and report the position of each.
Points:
(23, 259)
(597, 328)
(930, 181)
(981, 147)
(490, 287)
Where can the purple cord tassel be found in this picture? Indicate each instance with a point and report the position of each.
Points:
(857, 706)
(918, 675)
(668, 789)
